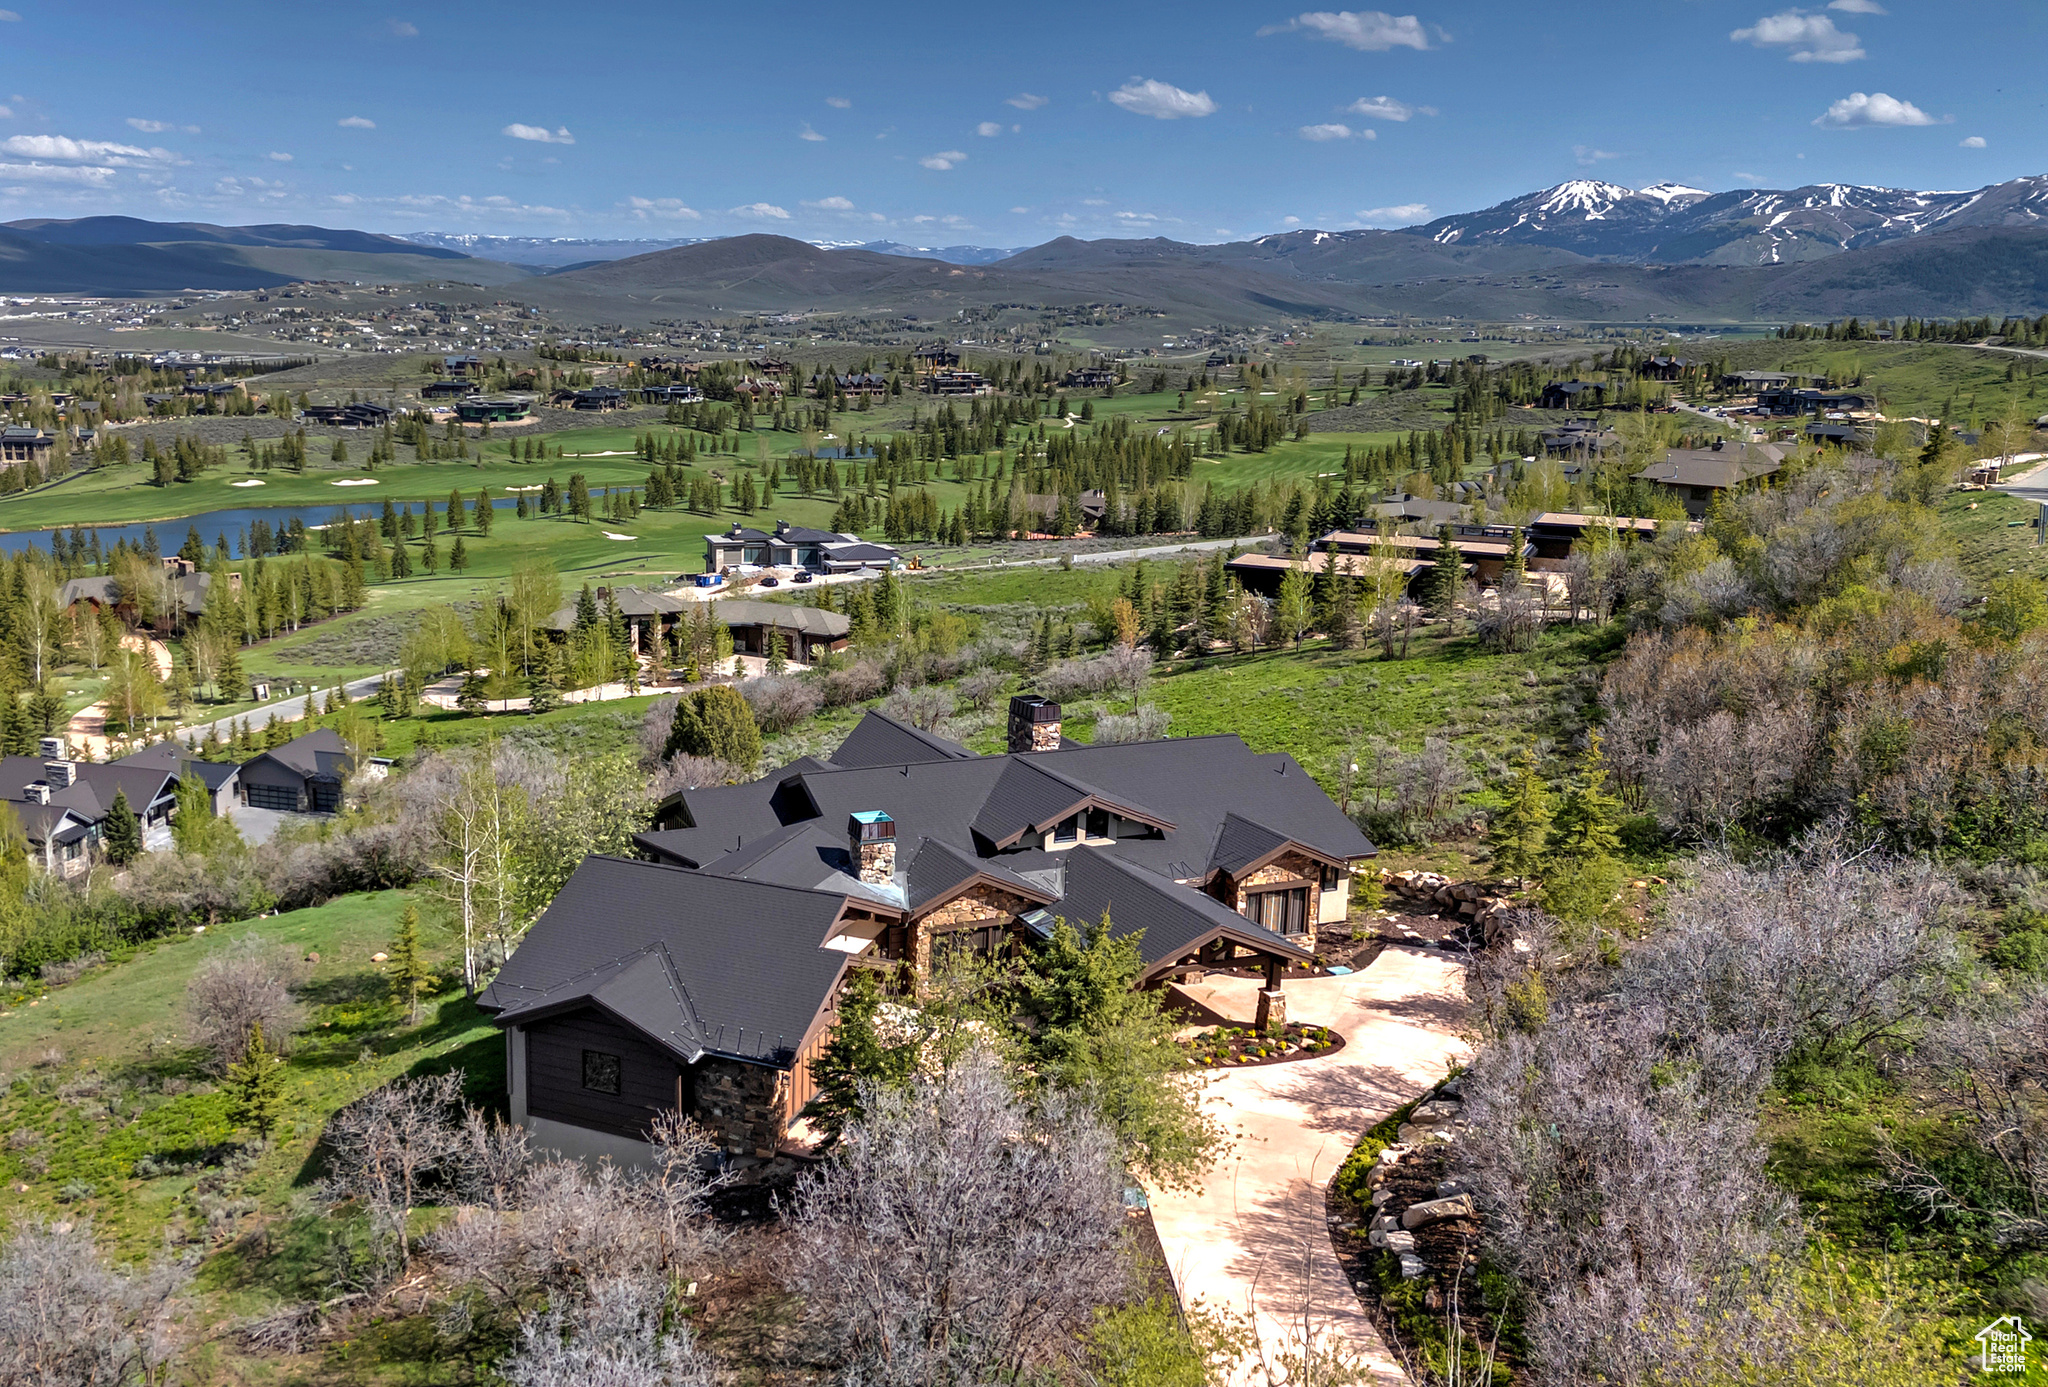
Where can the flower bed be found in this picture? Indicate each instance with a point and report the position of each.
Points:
(1237, 1047)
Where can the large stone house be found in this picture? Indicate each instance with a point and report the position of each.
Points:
(707, 977)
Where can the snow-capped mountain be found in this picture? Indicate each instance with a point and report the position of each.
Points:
(1670, 223)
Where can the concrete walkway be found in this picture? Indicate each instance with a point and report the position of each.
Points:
(1254, 1239)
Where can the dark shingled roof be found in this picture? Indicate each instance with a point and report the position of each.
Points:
(180, 760)
(706, 964)
(880, 740)
(1173, 920)
(938, 871)
(1240, 843)
(318, 755)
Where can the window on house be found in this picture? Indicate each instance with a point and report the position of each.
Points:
(1330, 878)
(1067, 830)
(600, 1072)
(1098, 823)
(1283, 912)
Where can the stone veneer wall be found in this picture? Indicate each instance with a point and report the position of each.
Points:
(1289, 866)
(742, 1105)
(983, 905)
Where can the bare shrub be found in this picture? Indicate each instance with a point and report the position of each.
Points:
(980, 688)
(854, 683)
(1430, 783)
(235, 989)
(960, 1237)
(1990, 1062)
(1813, 956)
(924, 707)
(67, 1317)
(685, 772)
(620, 1336)
(1122, 670)
(386, 1148)
(1514, 618)
(71, 969)
(1716, 593)
(652, 739)
(1626, 1192)
(781, 701)
(1145, 723)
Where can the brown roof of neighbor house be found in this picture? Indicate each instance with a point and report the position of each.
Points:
(1416, 544)
(1360, 565)
(1714, 467)
(808, 620)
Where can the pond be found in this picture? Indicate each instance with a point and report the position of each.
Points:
(233, 523)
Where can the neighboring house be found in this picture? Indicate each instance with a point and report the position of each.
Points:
(495, 410)
(63, 804)
(949, 382)
(455, 388)
(1697, 475)
(1663, 368)
(303, 776)
(934, 358)
(1262, 573)
(1788, 400)
(1553, 533)
(1750, 382)
(184, 599)
(1044, 509)
(793, 546)
(596, 398)
(1407, 510)
(360, 414)
(1578, 438)
(19, 445)
(221, 778)
(1572, 394)
(1090, 378)
(642, 610)
(462, 366)
(670, 394)
(708, 979)
(807, 633)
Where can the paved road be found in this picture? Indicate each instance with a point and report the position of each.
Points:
(284, 709)
(2031, 485)
(1254, 1238)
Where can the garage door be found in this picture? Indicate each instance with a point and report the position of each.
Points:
(282, 797)
(326, 797)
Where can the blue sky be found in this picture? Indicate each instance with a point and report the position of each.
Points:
(986, 124)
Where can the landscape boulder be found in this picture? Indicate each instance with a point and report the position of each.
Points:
(1437, 1210)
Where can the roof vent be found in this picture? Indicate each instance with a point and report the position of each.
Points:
(1034, 724)
(871, 838)
(37, 793)
(54, 749)
(59, 774)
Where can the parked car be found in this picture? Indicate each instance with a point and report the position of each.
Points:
(771, 581)
(802, 575)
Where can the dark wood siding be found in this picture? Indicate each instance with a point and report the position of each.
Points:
(651, 1079)
(268, 785)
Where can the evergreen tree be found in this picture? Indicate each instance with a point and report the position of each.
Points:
(480, 515)
(1520, 831)
(256, 1086)
(855, 1057)
(715, 722)
(458, 557)
(411, 979)
(123, 836)
(1581, 875)
(1446, 576)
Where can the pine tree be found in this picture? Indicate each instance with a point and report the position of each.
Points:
(1520, 832)
(458, 557)
(123, 837)
(855, 1058)
(1581, 875)
(1446, 576)
(256, 1086)
(411, 978)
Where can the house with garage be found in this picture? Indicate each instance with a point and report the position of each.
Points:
(63, 804)
(706, 977)
(222, 779)
(303, 776)
(794, 546)
(1697, 475)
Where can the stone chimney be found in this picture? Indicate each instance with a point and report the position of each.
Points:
(1034, 724)
(871, 837)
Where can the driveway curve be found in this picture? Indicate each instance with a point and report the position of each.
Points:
(1253, 1240)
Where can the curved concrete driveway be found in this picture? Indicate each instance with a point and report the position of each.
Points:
(1254, 1239)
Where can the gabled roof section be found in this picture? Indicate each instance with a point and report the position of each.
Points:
(318, 755)
(938, 872)
(1242, 845)
(742, 969)
(1030, 797)
(809, 856)
(880, 740)
(1174, 920)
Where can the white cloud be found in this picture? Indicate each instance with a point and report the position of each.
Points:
(989, 129)
(9, 17)
(761, 211)
(1333, 131)
(1290, 221)
(6, 112)
(1161, 100)
(1026, 101)
(1406, 214)
(944, 159)
(85, 151)
(832, 204)
(1095, 202)
(278, 156)
(356, 123)
(1856, 110)
(1857, 7)
(1740, 177)
(1589, 156)
(1813, 38)
(661, 208)
(809, 134)
(89, 175)
(1972, 142)
(149, 127)
(1136, 217)
(841, 103)
(1019, 211)
(402, 29)
(1387, 108)
(1369, 31)
(539, 134)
